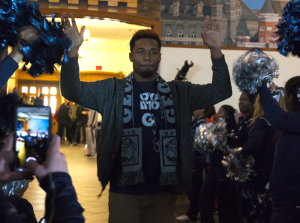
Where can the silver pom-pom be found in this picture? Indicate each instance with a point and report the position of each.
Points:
(209, 137)
(238, 167)
(253, 67)
(13, 187)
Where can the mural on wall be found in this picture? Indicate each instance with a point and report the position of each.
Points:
(239, 25)
(122, 6)
(145, 8)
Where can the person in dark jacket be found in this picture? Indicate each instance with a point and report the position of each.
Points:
(198, 166)
(61, 200)
(63, 120)
(145, 150)
(82, 117)
(285, 177)
(216, 184)
(261, 145)
(246, 105)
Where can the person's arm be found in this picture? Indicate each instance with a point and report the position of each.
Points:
(10, 63)
(202, 96)
(256, 137)
(88, 94)
(61, 199)
(278, 118)
(7, 67)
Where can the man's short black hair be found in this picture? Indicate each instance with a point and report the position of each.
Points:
(144, 33)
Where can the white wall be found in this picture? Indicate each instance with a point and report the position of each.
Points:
(201, 72)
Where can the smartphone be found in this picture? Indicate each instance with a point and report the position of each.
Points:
(32, 133)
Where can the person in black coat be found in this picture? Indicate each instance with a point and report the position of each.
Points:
(216, 184)
(82, 115)
(63, 120)
(285, 177)
(261, 145)
(246, 105)
(198, 167)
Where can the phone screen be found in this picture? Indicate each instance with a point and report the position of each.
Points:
(32, 134)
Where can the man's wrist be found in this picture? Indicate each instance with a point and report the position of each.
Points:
(216, 53)
(73, 52)
(16, 55)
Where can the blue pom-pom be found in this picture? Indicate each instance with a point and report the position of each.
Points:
(47, 50)
(289, 31)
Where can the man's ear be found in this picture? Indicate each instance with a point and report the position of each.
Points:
(130, 56)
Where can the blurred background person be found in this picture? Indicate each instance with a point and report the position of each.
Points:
(216, 184)
(261, 145)
(39, 100)
(81, 121)
(63, 120)
(198, 168)
(91, 133)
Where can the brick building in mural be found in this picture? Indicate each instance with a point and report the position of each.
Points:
(239, 25)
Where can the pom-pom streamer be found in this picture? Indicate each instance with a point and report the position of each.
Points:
(289, 30)
(252, 68)
(47, 50)
(238, 167)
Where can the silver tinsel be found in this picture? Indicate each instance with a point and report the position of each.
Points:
(253, 67)
(209, 137)
(11, 188)
(238, 167)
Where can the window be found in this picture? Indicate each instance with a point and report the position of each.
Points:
(262, 28)
(168, 36)
(24, 89)
(53, 90)
(193, 38)
(45, 100)
(269, 28)
(32, 90)
(45, 90)
(53, 103)
(180, 37)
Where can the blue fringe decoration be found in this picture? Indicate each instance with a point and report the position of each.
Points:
(49, 48)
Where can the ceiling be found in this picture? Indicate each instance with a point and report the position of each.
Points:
(107, 34)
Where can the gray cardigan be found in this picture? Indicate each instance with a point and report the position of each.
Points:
(106, 97)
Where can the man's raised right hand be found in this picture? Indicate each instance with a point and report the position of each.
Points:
(72, 33)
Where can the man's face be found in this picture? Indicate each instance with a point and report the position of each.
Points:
(145, 57)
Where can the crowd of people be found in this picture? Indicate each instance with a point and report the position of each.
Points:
(146, 151)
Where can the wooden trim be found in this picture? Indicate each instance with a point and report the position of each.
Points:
(132, 19)
(223, 47)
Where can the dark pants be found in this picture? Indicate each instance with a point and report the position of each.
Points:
(194, 194)
(285, 214)
(216, 184)
(60, 132)
(80, 124)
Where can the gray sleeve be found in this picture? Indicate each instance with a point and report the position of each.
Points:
(203, 96)
(90, 95)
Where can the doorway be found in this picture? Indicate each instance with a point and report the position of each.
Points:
(50, 90)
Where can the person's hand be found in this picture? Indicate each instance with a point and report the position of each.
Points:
(72, 33)
(212, 37)
(6, 159)
(55, 161)
(25, 34)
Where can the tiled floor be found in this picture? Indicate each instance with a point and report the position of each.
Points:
(84, 175)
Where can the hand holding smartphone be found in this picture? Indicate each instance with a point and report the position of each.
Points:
(32, 135)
